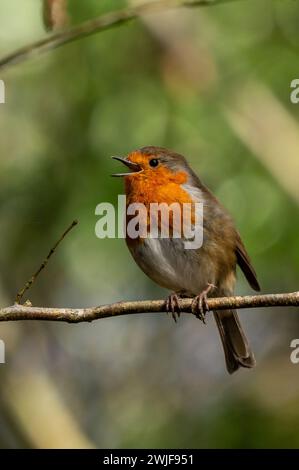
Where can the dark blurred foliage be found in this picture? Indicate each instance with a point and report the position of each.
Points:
(213, 84)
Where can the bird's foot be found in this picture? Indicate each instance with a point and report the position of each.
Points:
(172, 306)
(200, 305)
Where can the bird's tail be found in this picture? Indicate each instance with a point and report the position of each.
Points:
(236, 348)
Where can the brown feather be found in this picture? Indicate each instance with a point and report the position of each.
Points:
(244, 262)
(236, 348)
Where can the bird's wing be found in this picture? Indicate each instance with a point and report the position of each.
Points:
(244, 262)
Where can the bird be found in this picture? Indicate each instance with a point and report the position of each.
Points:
(159, 175)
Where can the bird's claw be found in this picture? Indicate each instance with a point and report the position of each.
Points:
(172, 306)
(200, 305)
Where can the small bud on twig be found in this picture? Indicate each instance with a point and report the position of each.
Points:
(55, 14)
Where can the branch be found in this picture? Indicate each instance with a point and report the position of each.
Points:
(72, 315)
(29, 283)
(96, 25)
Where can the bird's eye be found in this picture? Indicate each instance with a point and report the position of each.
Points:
(154, 162)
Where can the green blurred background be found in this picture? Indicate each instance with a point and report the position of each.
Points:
(214, 84)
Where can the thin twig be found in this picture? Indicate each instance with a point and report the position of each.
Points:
(29, 283)
(77, 315)
(98, 24)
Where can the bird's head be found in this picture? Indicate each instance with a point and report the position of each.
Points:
(156, 166)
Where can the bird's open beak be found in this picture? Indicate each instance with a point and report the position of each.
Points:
(134, 167)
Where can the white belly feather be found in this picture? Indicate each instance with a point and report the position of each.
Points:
(169, 264)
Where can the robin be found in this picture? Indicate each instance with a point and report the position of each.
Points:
(159, 175)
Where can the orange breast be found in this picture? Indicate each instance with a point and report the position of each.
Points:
(164, 187)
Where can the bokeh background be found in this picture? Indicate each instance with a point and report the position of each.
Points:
(214, 84)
